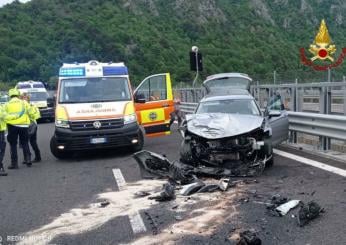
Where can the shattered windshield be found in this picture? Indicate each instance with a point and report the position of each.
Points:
(233, 106)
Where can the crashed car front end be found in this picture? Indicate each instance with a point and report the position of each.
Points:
(241, 143)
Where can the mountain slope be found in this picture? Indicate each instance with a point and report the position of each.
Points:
(154, 36)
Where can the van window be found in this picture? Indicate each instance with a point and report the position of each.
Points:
(91, 90)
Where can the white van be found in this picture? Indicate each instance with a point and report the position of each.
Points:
(39, 97)
(96, 108)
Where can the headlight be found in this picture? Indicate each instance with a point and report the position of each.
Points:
(130, 118)
(62, 123)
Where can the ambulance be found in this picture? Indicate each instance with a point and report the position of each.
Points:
(97, 109)
(39, 97)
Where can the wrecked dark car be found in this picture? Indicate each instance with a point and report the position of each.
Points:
(228, 129)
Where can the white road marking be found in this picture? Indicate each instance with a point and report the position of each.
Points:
(136, 220)
(119, 178)
(313, 163)
(137, 223)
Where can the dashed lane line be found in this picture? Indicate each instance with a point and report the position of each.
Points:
(313, 163)
(135, 218)
(137, 223)
(119, 178)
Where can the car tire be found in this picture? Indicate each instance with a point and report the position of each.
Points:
(56, 152)
(140, 144)
(186, 155)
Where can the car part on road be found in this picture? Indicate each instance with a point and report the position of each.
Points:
(249, 238)
(309, 212)
(140, 194)
(209, 188)
(104, 204)
(189, 189)
(167, 193)
(224, 184)
(283, 209)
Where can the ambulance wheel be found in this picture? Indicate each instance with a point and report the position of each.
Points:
(55, 151)
(140, 144)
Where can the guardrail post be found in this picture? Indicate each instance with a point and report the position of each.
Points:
(325, 108)
(344, 88)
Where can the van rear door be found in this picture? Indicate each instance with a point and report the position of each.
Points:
(154, 104)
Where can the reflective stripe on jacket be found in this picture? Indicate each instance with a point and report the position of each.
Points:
(20, 107)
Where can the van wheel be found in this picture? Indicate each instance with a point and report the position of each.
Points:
(140, 144)
(55, 151)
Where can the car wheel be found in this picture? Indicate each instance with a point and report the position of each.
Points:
(186, 155)
(56, 152)
(140, 144)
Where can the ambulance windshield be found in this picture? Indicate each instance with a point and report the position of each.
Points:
(90, 90)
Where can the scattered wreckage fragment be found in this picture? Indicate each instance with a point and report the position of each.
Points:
(249, 238)
(309, 212)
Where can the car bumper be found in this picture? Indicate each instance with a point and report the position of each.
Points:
(47, 112)
(68, 140)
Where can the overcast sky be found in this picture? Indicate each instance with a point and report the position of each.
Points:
(3, 2)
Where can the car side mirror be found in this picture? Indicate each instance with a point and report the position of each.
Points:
(139, 98)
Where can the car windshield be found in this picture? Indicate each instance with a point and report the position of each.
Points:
(90, 90)
(38, 96)
(228, 82)
(233, 106)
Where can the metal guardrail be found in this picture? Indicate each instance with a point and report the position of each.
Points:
(325, 126)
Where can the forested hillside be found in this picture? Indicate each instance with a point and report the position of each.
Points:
(154, 36)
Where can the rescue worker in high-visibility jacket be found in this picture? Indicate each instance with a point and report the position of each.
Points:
(4, 117)
(18, 127)
(34, 114)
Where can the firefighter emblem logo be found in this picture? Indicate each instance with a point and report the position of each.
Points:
(322, 50)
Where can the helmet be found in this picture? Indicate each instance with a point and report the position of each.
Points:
(13, 92)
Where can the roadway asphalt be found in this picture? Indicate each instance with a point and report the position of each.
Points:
(58, 202)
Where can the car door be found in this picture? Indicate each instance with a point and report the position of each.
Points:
(278, 120)
(154, 104)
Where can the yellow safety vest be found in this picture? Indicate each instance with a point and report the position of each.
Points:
(21, 108)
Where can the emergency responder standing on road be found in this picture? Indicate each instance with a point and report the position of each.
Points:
(34, 114)
(18, 127)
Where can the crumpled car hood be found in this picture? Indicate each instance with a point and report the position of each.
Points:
(221, 125)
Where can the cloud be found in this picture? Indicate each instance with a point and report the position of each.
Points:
(3, 2)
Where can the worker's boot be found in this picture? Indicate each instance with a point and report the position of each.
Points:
(2, 171)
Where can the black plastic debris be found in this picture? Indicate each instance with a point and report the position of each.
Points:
(167, 193)
(189, 189)
(275, 201)
(249, 238)
(104, 204)
(309, 212)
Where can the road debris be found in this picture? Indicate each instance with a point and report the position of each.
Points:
(249, 238)
(140, 194)
(209, 188)
(167, 193)
(283, 209)
(104, 204)
(224, 184)
(309, 212)
(189, 189)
